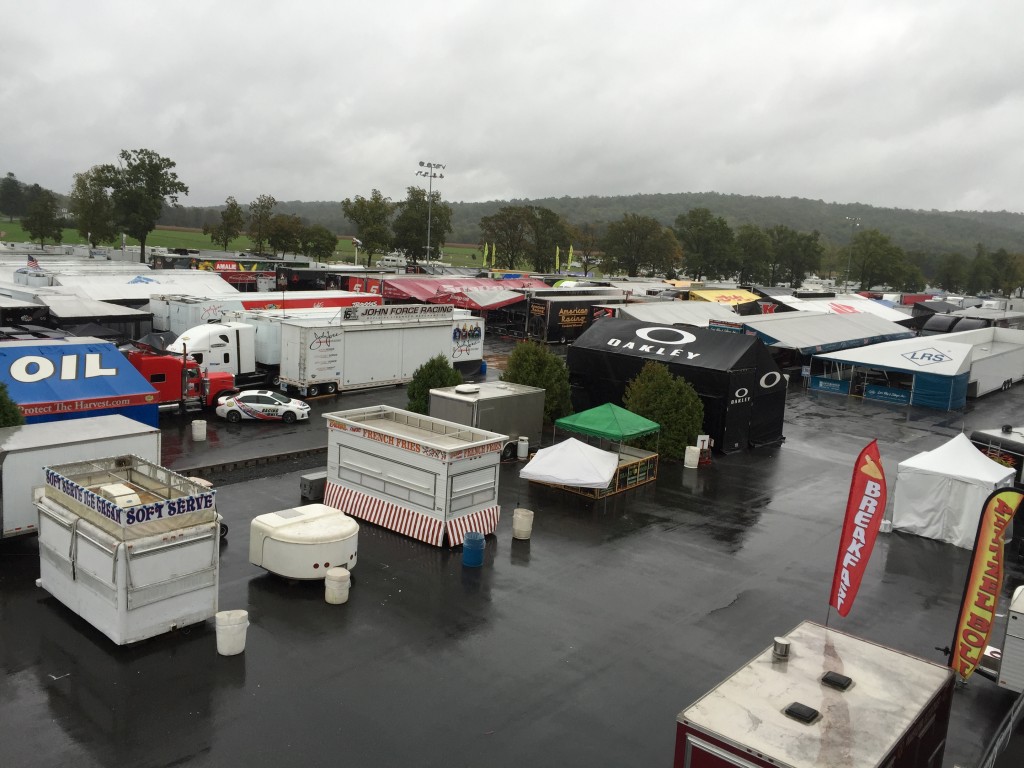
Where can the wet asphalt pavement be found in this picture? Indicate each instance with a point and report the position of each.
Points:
(577, 647)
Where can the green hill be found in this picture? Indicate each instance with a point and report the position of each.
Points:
(933, 232)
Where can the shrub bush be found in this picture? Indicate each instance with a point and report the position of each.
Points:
(535, 365)
(437, 372)
(672, 402)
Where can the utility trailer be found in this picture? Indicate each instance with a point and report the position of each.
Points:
(131, 547)
(516, 410)
(561, 319)
(819, 698)
(25, 450)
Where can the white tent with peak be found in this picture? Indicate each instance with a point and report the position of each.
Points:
(939, 493)
(572, 462)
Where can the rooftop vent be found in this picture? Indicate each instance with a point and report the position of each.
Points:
(836, 680)
(802, 712)
(780, 649)
(467, 389)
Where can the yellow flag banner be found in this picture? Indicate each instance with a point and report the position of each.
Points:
(984, 582)
(558, 265)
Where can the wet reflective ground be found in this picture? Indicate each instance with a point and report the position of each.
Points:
(577, 647)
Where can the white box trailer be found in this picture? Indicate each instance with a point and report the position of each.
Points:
(1011, 659)
(185, 312)
(384, 347)
(26, 450)
(131, 547)
(426, 478)
(500, 406)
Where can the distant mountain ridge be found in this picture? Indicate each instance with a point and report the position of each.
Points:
(913, 230)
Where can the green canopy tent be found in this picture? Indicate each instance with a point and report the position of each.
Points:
(610, 422)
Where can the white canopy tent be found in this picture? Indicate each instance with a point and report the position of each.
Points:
(939, 493)
(572, 462)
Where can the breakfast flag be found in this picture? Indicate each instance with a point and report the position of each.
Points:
(865, 508)
(984, 581)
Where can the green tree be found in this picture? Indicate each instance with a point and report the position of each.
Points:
(140, 186)
(232, 221)
(547, 230)
(876, 260)
(793, 254)
(92, 208)
(372, 219)
(669, 400)
(10, 413)
(981, 274)
(586, 239)
(436, 373)
(639, 244)
(43, 222)
(12, 197)
(708, 244)
(410, 223)
(284, 232)
(535, 365)
(508, 231)
(952, 272)
(754, 250)
(317, 242)
(261, 210)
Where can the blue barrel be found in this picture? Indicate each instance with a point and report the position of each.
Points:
(483, 367)
(473, 549)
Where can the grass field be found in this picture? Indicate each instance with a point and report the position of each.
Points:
(179, 237)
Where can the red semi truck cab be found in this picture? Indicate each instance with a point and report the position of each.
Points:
(181, 382)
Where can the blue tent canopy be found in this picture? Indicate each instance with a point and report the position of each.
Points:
(53, 380)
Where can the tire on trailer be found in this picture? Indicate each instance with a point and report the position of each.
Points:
(312, 391)
(331, 388)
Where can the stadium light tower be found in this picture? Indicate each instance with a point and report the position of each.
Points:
(430, 170)
(854, 223)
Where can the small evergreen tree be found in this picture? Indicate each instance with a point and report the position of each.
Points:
(535, 365)
(437, 372)
(672, 402)
(10, 413)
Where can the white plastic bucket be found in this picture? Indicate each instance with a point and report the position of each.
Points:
(523, 449)
(522, 523)
(198, 429)
(692, 457)
(336, 585)
(231, 627)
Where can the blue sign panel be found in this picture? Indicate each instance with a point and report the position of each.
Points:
(887, 394)
(835, 386)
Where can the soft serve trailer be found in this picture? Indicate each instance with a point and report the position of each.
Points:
(131, 547)
(429, 479)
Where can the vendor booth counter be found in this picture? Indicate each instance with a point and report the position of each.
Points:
(636, 468)
(427, 478)
(131, 547)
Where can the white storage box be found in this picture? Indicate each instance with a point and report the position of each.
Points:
(304, 542)
(1011, 664)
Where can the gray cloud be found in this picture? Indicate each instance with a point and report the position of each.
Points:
(889, 103)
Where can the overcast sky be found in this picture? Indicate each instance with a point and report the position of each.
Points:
(898, 103)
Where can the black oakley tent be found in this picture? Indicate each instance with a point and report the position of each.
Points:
(743, 390)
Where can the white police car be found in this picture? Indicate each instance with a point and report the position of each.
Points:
(262, 404)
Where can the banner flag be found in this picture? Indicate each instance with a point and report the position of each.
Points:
(557, 262)
(494, 255)
(865, 509)
(485, 255)
(984, 581)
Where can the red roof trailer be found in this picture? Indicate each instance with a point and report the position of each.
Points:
(819, 698)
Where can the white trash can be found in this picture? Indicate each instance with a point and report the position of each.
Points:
(231, 627)
(522, 523)
(692, 457)
(337, 582)
(198, 429)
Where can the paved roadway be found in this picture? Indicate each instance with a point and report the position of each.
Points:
(578, 647)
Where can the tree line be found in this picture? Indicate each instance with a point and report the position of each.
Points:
(142, 189)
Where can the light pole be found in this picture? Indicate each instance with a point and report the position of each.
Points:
(854, 223)
(430, 171)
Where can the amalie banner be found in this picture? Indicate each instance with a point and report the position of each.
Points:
(865, 508)
(984, 581)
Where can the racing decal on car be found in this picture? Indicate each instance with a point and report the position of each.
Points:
(253, 413)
